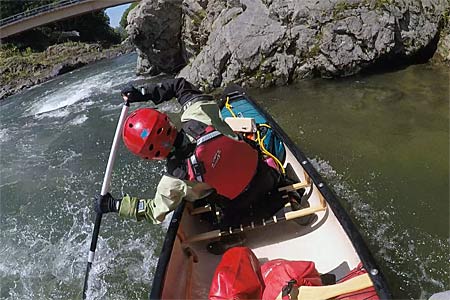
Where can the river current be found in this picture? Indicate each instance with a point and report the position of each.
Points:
(381, 141)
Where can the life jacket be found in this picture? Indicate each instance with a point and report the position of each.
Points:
(226, 164)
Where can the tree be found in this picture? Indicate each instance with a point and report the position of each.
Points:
(123, 20)
(9, 8)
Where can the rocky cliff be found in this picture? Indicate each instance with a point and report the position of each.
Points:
(267, 42)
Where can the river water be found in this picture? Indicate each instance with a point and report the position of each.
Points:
(381, 141)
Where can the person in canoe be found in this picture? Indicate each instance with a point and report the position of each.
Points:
(206, 161)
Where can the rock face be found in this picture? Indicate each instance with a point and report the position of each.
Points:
(442, 55)
(443, 51)
(155, 28)
(266, 42)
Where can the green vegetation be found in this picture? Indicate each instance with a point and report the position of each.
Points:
(198, 17)
(380, 4)
(446, 20)
(343, 6)
(123, 20)
(315, 49)
(16, 64)
(92, 27)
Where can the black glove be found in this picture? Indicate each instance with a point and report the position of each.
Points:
(105, 204)
(133, 94)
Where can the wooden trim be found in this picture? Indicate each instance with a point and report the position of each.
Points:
(204, 236)
(304, 212)
(200, 210)
(287, 216)
(294, 187)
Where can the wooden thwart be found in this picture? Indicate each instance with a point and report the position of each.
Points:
(200, 210)
(295, 186)
(287, 216)
(330, 291)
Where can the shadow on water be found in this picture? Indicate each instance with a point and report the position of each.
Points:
(396, 61)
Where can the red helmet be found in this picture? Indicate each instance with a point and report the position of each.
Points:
(149, 133)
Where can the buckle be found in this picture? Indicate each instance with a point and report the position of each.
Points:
(198, 169)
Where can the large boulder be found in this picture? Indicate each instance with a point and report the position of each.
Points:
(154, 27)
(266, 42)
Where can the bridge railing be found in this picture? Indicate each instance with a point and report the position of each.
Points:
(37, 10)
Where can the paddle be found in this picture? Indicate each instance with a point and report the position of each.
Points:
(104, 191)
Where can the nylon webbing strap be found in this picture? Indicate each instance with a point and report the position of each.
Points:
(194, 164)
(207, 137)
(197, 167)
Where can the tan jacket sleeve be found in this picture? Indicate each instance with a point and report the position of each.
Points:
(169, 194)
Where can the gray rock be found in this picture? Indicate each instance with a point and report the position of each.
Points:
(154, 27)
(265, 42)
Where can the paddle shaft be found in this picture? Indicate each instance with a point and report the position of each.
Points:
(105, 189)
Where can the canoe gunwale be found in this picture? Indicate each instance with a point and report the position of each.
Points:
(166, 252)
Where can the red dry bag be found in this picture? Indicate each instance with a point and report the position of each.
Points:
(238, 276)
(277, 273)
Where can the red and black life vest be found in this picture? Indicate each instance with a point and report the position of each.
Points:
(224, 163)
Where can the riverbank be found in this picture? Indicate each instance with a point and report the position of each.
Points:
(23, 69)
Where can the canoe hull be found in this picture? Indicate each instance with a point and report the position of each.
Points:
(185, 268)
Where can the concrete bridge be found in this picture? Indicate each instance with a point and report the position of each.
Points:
(61, 10)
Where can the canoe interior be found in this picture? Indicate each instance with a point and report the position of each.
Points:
(187, 269)
(191, 267)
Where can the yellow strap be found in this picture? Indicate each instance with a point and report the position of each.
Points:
(266, 152)
(229, 107)
(258, 138)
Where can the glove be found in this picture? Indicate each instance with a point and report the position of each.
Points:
(105, 204)
(133, 94)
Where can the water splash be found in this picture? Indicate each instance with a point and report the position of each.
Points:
(4, 135)
(396, 249)
(78, 120)
(85, 89)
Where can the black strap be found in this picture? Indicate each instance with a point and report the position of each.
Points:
(176, 167)
(288, 288)
(176, 162)
(194, 128)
